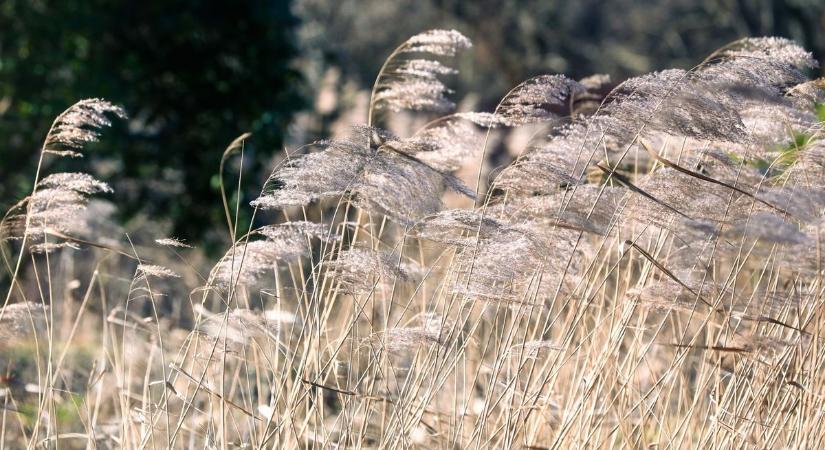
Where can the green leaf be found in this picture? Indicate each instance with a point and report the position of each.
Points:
(820, 111)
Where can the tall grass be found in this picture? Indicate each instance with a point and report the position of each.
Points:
(647, 273)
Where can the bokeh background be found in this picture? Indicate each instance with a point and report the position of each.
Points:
(194, 74)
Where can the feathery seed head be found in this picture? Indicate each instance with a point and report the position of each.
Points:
(536, 100)
(153, 270)
(437, 42)
(80, 124)
(172, 242)
(360, 271)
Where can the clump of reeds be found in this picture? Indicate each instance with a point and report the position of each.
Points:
(646, 273)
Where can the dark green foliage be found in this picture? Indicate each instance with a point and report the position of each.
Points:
(192, 74)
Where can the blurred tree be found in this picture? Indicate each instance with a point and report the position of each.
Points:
(193, 74)
(517, 39)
